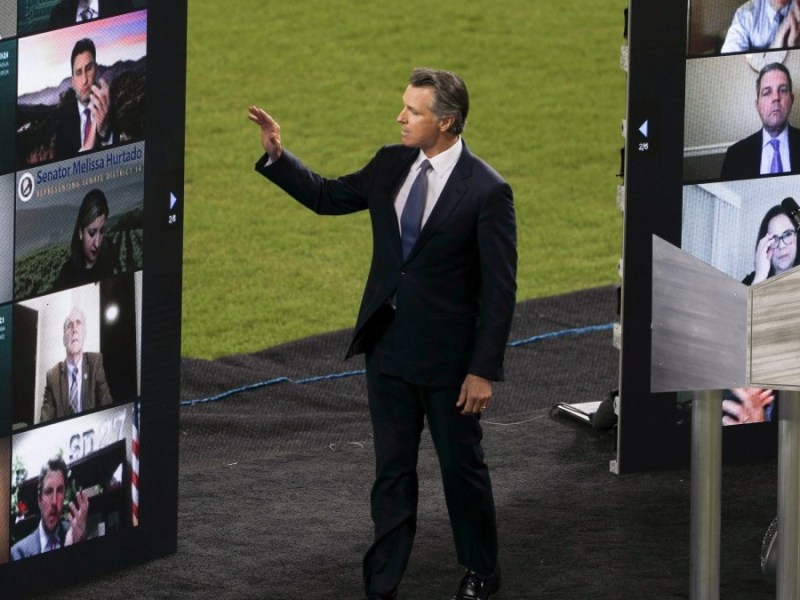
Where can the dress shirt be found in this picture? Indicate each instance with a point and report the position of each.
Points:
(442, 166)
(45, 539)
(754, 26)
(82, 112)
(767, 151)
(104, 141)
(83, 5)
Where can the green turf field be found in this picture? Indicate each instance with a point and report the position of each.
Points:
(547, 97)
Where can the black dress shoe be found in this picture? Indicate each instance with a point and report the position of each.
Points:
(476, 587)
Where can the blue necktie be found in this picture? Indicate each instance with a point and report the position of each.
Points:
(777, 165)
(411, 219)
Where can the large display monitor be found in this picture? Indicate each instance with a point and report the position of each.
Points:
(711, 152)
(92, 98)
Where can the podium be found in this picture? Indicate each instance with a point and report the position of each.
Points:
(710, 333)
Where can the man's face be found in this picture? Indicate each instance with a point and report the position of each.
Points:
(84, 71)
(74, 332)
(419, 126)
(51, 499)
(774, 101)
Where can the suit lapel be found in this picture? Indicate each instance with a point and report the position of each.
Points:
(794, 149)
(394, 182)
(449, 198)
(63, 397)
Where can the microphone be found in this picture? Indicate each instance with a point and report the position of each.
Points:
(790, 206)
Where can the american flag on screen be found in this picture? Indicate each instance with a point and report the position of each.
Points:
(135, 466)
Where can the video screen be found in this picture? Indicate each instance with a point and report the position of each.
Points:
(730, 26)
(91, 193)
(77, 350)
(7, 189)
(81, 89)
(8, 97)
(42, 15)
(79, 221)
(73, 481)
(8, 19)
(728, 119)
(712, 148)
(742, 229)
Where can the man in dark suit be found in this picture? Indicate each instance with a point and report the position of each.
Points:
(53, 532)
(69, 12)
(84, 119)
(775, 148)
(77, 383)
(434, 318)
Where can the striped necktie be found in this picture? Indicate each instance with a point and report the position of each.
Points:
(74, 402)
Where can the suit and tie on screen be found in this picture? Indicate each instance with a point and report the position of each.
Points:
(775, 148)
(77, 383)
(69, 12)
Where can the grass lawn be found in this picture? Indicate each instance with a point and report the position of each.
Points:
(547, 97)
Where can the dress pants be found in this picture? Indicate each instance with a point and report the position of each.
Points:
(398, 410)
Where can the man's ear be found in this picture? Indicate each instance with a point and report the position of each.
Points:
(446, 123)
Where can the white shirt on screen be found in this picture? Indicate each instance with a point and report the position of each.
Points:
(83, 5)
(47, 542)
(754, 26)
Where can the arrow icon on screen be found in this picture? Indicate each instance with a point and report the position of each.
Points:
(643, 128)
(172, 201)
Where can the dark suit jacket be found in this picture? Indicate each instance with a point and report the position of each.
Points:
(743, 159)
(63, 13)
(67, 141)
(94, 389)
(455, 293)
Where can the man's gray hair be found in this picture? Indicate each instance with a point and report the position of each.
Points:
(450, 98)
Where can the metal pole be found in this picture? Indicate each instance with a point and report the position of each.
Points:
(705, 495)
(788, 540)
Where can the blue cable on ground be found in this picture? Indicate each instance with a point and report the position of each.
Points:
(315, 379)
(562, 333)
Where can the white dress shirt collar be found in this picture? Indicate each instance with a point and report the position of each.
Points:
(83, 5)
(443, 162)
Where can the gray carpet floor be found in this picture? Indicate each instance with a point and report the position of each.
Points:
(276, 465)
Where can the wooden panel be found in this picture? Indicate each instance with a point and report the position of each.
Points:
(774, 322)
(699, 324)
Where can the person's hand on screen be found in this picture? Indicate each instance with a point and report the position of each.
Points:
(78, 512)
(749, 407)
(99, 105)
(763, 258)
(789, 31)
